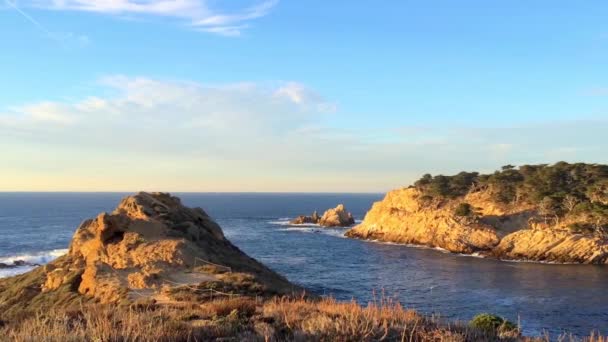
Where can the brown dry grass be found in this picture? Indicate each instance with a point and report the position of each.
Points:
(246, 319)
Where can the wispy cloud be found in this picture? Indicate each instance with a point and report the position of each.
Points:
(61, 37)
(250, 136)
(28, 17)
(196, 14)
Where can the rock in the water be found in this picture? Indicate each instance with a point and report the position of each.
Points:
(314, 219)
(336, 217)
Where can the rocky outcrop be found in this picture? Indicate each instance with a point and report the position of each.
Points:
(150, 242)
(313, 219)
(552, 245)
(404, 216)
(336, 217)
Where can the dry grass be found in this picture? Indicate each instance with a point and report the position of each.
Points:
(246, 319)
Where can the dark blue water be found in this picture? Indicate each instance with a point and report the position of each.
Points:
(542, 297)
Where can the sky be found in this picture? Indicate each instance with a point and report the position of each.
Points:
(294, 96)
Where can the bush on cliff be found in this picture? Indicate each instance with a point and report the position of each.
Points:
(492, 324)
(558, 190)
(464, 210)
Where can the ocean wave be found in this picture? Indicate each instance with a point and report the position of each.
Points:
(13, 271)
(335, 232)
(34, 258)
(303, 229)
(31, 261)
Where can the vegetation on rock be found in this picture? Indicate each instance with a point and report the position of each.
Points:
(578, 191)
(554, 213)
(493, 324)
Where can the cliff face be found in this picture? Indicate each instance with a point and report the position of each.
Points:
(514, 232)
(149, 243)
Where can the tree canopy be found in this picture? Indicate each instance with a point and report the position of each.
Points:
(558, 190)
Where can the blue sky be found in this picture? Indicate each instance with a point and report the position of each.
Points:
(294, 95)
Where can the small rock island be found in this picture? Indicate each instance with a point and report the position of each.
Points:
(336, 217)
(548, 213)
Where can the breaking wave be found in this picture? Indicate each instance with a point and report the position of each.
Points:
(21, 263)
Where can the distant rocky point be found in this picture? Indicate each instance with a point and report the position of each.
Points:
(336, 217)
(549, 213)
(151, 247)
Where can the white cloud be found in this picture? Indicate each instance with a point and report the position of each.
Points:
(210, 119)
(172, 135)
(301, 95)
(194, 13)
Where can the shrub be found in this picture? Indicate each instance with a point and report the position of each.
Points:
(579, 227)
(492, 324)
(464, 209)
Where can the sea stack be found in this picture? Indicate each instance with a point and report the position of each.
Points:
(147, 245)
(336, 217)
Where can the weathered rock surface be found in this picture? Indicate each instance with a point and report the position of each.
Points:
(313, 219)
(336, 217)
(150, 241)
(505, 233)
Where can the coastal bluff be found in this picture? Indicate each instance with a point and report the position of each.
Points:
(148, 247)
(480, 218)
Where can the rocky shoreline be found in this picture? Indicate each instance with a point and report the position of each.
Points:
(519, 233)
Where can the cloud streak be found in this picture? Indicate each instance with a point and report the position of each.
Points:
(60, 37)
(196, 14)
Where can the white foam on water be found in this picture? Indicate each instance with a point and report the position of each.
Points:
(335, 232)
(472, 255)
(282, 222)
(13, 271)
(299, 229)
(38, 258)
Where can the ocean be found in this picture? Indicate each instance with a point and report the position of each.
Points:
(37, 227)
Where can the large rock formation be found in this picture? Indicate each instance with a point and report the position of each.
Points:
(336, 217)
(505, 232)
(150, 242)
